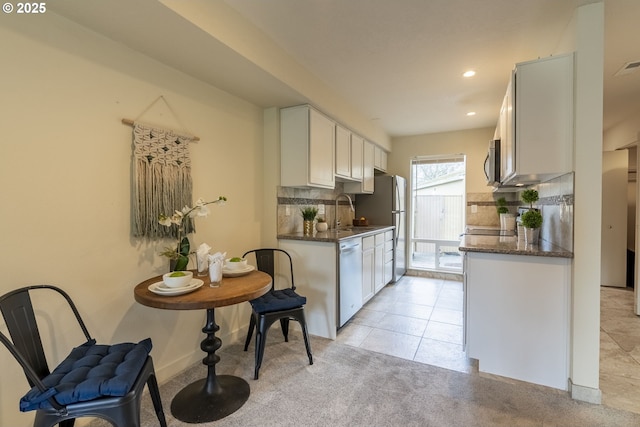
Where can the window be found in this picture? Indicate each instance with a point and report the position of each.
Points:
(437, 220)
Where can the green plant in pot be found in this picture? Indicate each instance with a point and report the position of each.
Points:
(322, 225)
(507, 220)
(501, 206)
(529, 196)
(308, 215)
(532, 219)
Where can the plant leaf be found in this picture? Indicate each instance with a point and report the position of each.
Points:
(184, 247)
(181, 263)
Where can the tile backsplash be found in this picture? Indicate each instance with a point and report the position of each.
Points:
(291, 200)
(555, 202)
(481, 208)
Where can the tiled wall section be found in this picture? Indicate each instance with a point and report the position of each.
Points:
(485, 207)
(556, 202)
(293, 199)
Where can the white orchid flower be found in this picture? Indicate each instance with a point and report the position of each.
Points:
(202, 210)
(165, 220)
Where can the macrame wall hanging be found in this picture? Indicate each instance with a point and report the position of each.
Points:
(161, 177)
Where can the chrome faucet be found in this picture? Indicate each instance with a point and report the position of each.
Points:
(337, 222)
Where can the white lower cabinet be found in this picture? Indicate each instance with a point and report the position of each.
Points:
(378, 260)
(368, 245)
(377, 263)
(517, 316)
(315, 268)
(388, 257)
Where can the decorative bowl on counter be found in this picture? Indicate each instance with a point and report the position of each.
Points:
(360, 222)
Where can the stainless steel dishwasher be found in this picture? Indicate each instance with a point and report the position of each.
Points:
(349, 279)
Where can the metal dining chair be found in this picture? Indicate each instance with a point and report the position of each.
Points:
(94, 380)
(283, 305)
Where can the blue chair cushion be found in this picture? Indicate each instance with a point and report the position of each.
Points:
(90, 371)
(284, 299)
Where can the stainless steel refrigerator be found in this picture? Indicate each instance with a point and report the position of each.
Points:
(386, 206)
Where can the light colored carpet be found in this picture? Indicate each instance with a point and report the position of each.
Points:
(347, 386)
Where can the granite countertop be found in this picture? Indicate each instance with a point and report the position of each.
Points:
(335, 235)
(511, 245)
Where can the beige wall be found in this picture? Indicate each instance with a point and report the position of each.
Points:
(623, 134)
(472, 143)
(65, 168)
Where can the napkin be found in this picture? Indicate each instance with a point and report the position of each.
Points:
(202, 258)
(215, 267)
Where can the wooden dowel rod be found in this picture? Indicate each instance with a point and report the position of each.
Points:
(131, 122)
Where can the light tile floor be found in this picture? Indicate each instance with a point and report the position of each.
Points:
(421, 319)
(619, 349)
(416, 318)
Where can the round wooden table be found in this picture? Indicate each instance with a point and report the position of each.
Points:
(215, 396)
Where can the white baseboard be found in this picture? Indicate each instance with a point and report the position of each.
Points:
(585, 394)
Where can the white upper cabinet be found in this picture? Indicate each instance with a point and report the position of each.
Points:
(307, 143)
(357, 157)
(539, 116)
(380, 159)
(343, 152)
(367, 184)
(349, 155)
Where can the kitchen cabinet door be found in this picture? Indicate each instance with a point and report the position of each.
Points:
(343, 152)
(378, 260)
(367, 184)
(307, 139)
(380, 159)
(368, 262)
(507, 161)
(357, 153)
(388, 257)
(321, 145)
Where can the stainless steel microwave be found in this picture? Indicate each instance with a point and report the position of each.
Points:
(492, 164)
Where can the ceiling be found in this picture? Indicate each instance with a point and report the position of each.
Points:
(398, 62)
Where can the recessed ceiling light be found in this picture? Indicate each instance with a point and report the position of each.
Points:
(471, 113)
(469, 73)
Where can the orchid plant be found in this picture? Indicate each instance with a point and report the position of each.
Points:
(180, 254)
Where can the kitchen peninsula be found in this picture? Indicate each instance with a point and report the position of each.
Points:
(517, 308)
(317, 271)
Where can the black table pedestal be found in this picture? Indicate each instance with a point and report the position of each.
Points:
(213, 397)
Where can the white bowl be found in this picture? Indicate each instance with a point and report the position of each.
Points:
(177, 281)
(235, 265)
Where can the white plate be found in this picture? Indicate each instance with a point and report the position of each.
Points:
(160, 288)
(239, 272)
